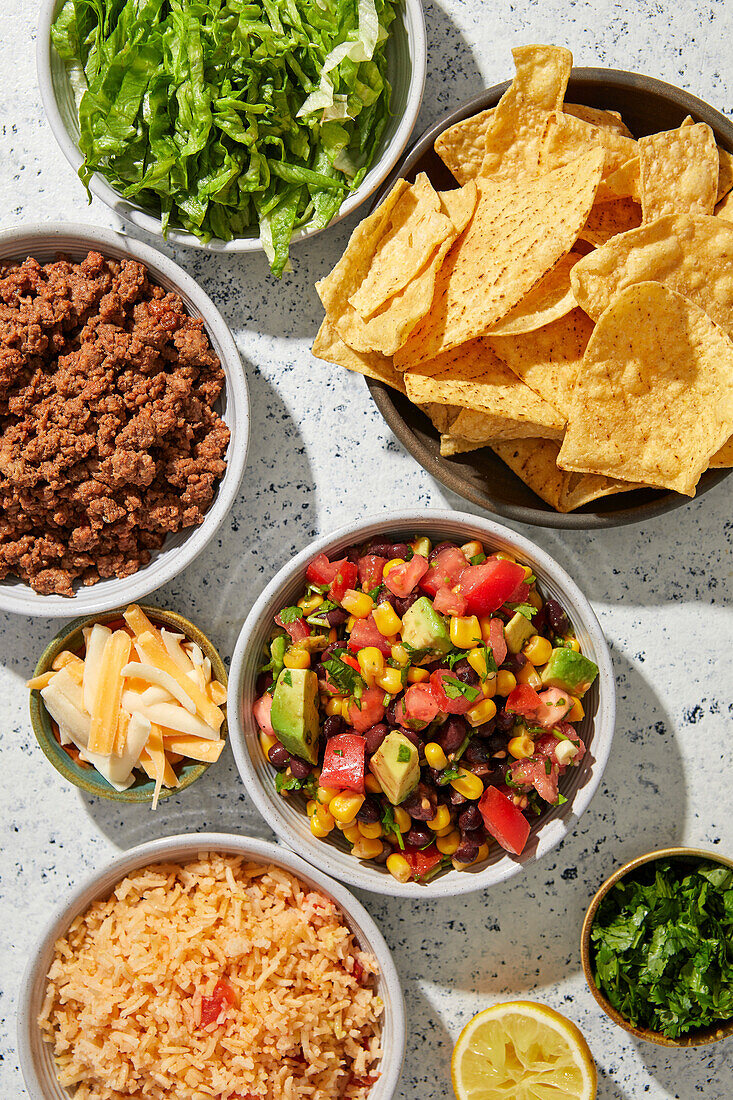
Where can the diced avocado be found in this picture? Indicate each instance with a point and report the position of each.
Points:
(277, 652)
(425, 629)
(396, 766)
(294, 713)
(570, 671)
(517, 631)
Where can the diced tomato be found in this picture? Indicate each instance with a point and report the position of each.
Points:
(555, 704)
(449, 692)
(261, 711)
(212, 1006)
(418, 706)
(368, 711)
(344, 579)
(402, 578)
(445, 570)
(489, 585)
(367, 633)
(497, 641)
(371, 567)
(350, 661)
(343, 763)
(449, 602)
(538, 772)
(421, 860)
(321, 570)
(297, 629)
(547, 744)
(523, 700)
(505, 821)
(520, 593)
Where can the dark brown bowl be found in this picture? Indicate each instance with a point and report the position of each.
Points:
(646, 106)
(701, 1036)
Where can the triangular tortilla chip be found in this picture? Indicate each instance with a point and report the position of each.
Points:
(723, 457)
(678, 171)
(442, 416)
(625, 181)
(535, 462)
(551, 299)
(566, 138)
(329, 346)
(608, 219)
(597, 116)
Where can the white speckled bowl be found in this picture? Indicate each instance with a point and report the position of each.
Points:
(406, 65)
(44, 240)
(36, 1058)
(288, 818)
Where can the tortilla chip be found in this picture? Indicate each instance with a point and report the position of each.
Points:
(551, 299)
(585, 488)
(462, 146)
(724, 209)
(606, 120)
(442, 416)
(514, 131)
(549, 359)
(519, 232)
(625, 181)
(535, 462)
(473, 377)
(608, 219)
(416, 228)
(473, 429)
(329, 346)
(657, 396)
(678, 172)
(725, 173)
(690, 254)
(566, 138)
(723, 457)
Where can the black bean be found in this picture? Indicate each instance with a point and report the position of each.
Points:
(437, 550)
(369, 812)
(452, 734)
(264, 680)
(422, 803)
(401, 604)
(515, 662)
(556, 617)
(399, 550)
(474, 836)
(352, 555)
(300, 768)
(486, 730)
(466, 852)
(540, 621)
(391, 713)
(419, 836)
(333, 726)
(467, 675)
(496, 743)
(384, 855)
(505, 721)
(330, 648)
(415, 737)
(456, 798)
(379, 549)
(279, 756)
(470, 818)
(374, 737)
(475, 753)
(481, 770)
(335, 617)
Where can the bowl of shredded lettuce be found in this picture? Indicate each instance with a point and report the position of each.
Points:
(232, 125)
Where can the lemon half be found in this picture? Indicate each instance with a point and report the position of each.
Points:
(522, 1051)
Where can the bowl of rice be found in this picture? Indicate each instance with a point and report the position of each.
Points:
(211, 965)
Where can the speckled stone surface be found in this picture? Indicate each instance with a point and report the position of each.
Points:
(321, 455)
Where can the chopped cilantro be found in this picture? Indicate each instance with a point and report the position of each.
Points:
(290, 614)
(287, 678)
(447, 774)
(346, 678)
(477, 559)
(321, 589)
(403, 755)
(561, 800)
(445, 862)
(338, 752)
(525, 609)
(284, 782)
(453, 688)
(375, 592)
(548, 766)
(390, 826)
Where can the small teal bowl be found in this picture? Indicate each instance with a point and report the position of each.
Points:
(84, 776)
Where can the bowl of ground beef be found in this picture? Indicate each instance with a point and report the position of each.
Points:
(124, 419)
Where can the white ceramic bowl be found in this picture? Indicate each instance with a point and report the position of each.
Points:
(287, 817)
(406, 63)
(44, 240)
(36, 1058)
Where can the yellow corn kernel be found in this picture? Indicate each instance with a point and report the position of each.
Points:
(422, 545)
(345, 710)
(442, 818)
(371, 662)
(534, 599)
(311, 806)
(505, 682)
(528, 675)
(576, 712)
(333, 706)
(398, 867)
(317, 829)
(345, 807)
(467, 784)
(400, 655)
(325, 794)
(387, 620)
(308, 604)
(333, 634)
(449, 842)
(371, 831)
(528, 571)
(392, 564)
(521, 747)
(351, 832)
(324, 818)
(505, 557)
(483, 853)
(367, 849)
(488, 686)
(573, 644)
(435, 756)
(372, 784)
(465, 632)
(477, 660)
(402, 819)
(295, 657)
(417, 675)
(537, 650)
(481, 712)
(390, 681)
(458, 866)
(357, 604)
(350, 623)
(472, 549)
(267, 741)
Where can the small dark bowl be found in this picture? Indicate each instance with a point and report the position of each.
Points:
(700, 1036)
(646, 106)
(85, 776)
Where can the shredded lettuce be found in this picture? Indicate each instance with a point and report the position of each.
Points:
(228, 117)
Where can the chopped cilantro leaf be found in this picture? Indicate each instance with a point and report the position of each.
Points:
(346, 678)
(453, 688)
(447, 774)
(285, 782)
(390, 826)
(403, 754)
(375, 592)
(290, 614)
(525, 609)
(477, 559)
(287, 678)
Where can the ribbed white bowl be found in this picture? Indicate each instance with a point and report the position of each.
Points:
(287, 816)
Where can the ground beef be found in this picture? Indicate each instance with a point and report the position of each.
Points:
(109, 440)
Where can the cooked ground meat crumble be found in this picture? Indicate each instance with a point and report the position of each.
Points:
(108, 436)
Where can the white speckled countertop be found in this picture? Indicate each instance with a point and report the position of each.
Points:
(320, 455)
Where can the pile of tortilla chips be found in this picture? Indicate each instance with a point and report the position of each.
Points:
(570, 304)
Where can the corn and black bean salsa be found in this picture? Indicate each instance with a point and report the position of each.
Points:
(423, 699)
